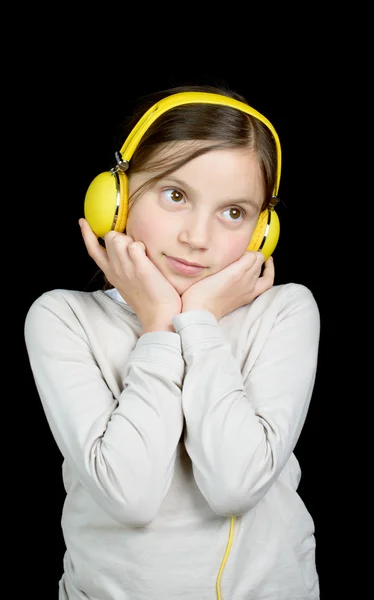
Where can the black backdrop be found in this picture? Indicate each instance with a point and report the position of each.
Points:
(68, 137)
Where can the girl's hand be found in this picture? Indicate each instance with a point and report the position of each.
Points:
(126, 266)
(233, 287)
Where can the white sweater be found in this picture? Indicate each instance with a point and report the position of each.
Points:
(166, 436)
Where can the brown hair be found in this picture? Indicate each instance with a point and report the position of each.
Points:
(219, 126)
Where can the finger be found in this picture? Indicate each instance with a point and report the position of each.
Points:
(269, 270)
(138, 256)
(254, 267)
(254, 258)
(88, 235)
(266, 280)
(94, 249)
(252, 263)
(245, 262)
(117, 237)
(116, 244)
(137, 248)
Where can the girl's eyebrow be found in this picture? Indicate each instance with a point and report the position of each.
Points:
(183, 184)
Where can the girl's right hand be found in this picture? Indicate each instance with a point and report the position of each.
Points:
(126, 266)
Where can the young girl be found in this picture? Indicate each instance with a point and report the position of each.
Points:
(177, 393)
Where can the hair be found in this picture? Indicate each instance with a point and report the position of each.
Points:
(217, 126)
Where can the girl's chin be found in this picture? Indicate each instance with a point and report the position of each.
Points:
(181, 286)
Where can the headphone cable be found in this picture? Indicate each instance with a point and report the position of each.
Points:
(228, 548)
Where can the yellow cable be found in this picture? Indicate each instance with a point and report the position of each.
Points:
(229, 543)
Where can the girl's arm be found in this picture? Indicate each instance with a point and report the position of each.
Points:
(241, 431)
(122, 449)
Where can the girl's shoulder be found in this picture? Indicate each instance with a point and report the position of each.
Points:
(291, 292)
(289, 298)
(283, 300)
(71, 304)
(286, 294)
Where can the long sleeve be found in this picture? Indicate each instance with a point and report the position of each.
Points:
(122, 449)
(241, 431)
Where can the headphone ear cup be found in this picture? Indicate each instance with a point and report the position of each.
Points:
(106, 203)
(123, 206)
(266, 234)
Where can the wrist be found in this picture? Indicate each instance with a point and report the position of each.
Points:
(190, 306)
(157, 326)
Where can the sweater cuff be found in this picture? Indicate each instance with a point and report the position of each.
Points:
(163, 347)
(197, 326)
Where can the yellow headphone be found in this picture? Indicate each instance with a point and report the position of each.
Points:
(106, 203)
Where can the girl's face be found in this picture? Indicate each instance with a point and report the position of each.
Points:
(199, 219)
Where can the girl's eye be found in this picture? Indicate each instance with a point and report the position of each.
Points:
(173, 196)
(234, 214)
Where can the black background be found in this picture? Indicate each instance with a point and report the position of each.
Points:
(74, 103)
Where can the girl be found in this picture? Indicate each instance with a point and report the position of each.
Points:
(177, 393)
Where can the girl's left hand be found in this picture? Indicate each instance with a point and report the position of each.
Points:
(233, 287)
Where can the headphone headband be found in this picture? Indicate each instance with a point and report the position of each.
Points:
(106, 204)
(181, 98)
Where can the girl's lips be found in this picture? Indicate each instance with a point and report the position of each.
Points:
(181, 267)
